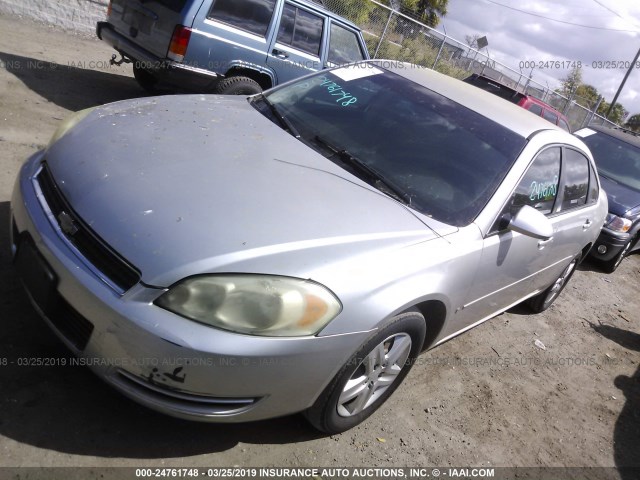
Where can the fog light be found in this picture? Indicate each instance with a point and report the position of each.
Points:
(602, 249)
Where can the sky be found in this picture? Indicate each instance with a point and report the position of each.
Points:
(514, 37)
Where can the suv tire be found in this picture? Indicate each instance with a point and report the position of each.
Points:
(238, 85)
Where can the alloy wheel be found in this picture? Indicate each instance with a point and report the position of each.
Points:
(377, 372)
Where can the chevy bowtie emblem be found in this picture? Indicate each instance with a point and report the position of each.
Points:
(67, 224)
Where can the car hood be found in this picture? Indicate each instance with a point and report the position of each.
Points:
(180, 185)
(621, 198)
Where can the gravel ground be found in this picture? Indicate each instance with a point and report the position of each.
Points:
(488, 398)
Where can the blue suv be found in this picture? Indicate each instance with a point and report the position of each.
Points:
(617, 156)
(230, 46)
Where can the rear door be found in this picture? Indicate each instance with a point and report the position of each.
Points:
(231, 33)
(150, 24)
(573, 215)
(296, 48)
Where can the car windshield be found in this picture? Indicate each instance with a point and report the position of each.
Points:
(437, 156)
(615, 159)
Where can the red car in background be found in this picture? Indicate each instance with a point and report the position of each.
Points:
(531, 103)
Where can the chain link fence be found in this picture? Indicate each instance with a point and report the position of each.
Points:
(393, 35)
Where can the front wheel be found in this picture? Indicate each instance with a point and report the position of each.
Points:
(613, 264)
(543, 300)
(370, 376)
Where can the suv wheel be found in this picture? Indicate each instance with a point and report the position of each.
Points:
(613, 264)
(238, 86)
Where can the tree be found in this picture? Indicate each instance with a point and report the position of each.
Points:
(633, 123)
(587, 96)
(431, 11)
(472, 40)
(618, 112)
(428, 12)
(571, 82)
(357, 11)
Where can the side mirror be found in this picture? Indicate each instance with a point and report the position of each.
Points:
(529, 221)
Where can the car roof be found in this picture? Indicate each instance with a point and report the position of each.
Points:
(501, 111)
(319, 6)
(629, 138)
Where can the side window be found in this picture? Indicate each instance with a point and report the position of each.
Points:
(533, 108)
(539, 186)
(343, 46)
(552, 117)
(300, 29)
(251, 15)
(575, 179)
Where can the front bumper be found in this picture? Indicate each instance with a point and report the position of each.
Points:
(170, 72)
(159, 359)
(614, 242)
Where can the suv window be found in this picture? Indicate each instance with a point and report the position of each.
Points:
(575, 178)
(533, 108)
(343, 46)
(300, 29)
(552, 117)
(539, 186)
(251, 15)
(564, 125)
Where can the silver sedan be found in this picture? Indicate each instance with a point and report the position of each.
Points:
(229, 259)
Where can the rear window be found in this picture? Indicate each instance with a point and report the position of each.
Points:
(251, 15)
(445, 157)
(496, 88)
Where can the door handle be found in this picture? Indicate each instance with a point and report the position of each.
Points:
(587, 224)
(280, 54)
(544, 243)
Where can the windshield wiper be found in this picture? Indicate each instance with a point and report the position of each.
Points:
(275, 111)
(377, 179)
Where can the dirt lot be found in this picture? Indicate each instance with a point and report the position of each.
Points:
(487, 398)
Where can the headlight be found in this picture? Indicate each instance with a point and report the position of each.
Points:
(253, 304)
(617, 224)
(67, 124)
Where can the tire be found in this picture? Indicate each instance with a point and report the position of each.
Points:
(144, 78)
(238, 86)
(612, 265)
(545, 299)
(365, 382)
